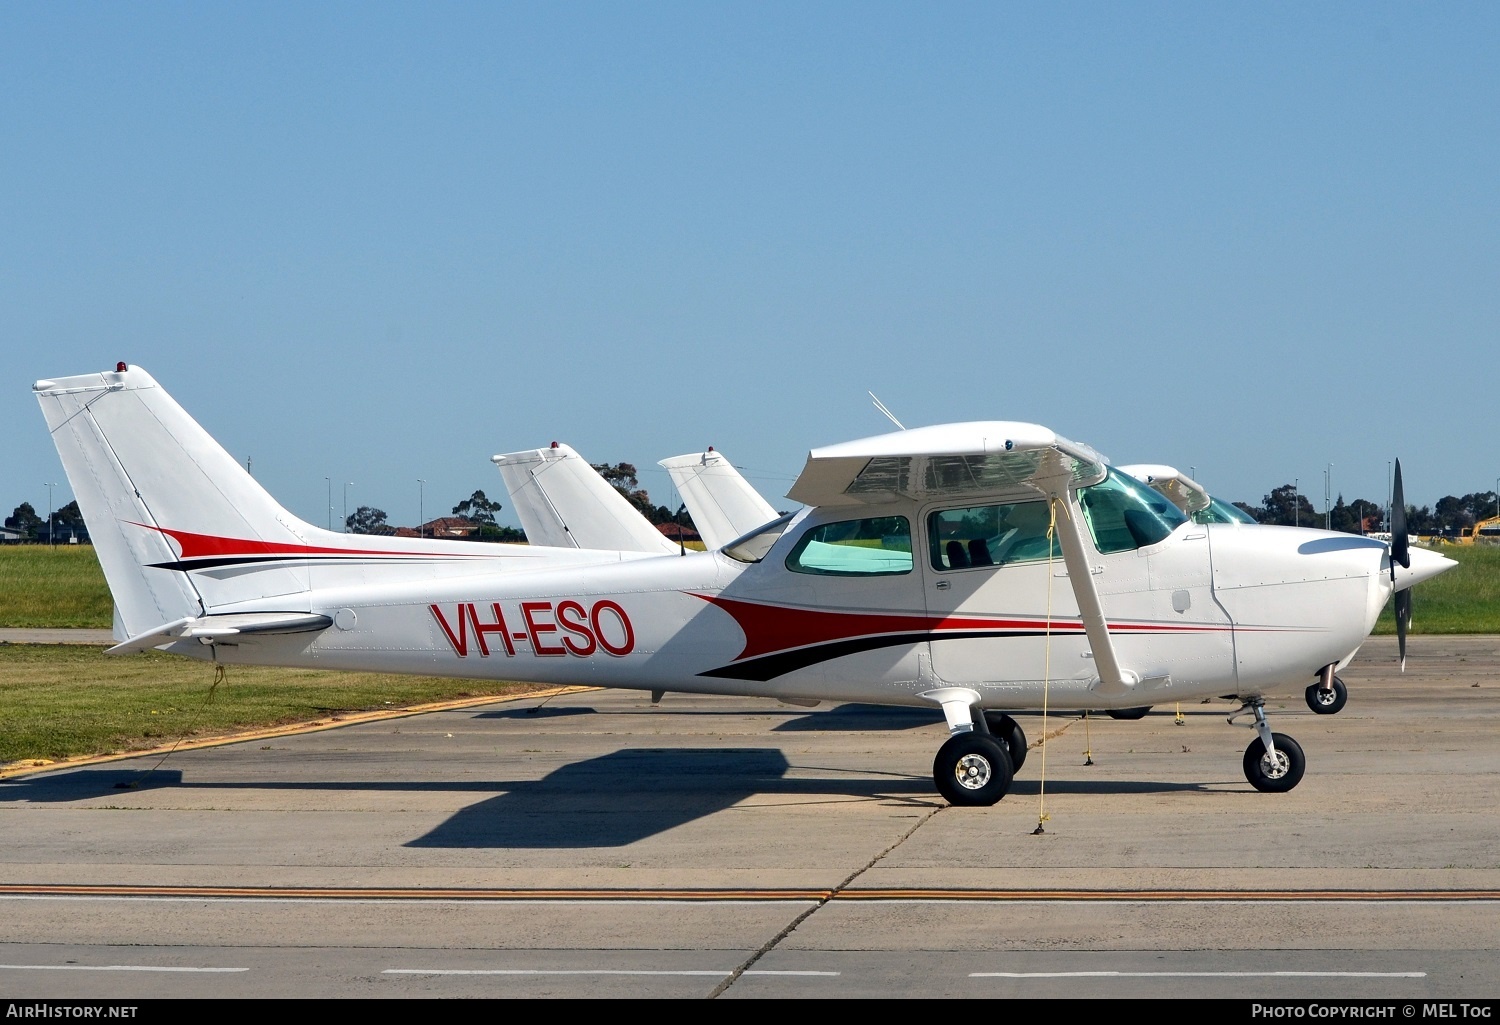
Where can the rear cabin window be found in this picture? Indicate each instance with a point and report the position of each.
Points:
(855, 548)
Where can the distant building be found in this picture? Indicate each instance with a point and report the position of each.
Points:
(677, 532)
(452, 528)
(66, 534)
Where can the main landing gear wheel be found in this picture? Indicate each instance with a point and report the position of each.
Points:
(1138, 712)
(972, 769)
(1006, 730)
(1278, 773)
(1327, 702)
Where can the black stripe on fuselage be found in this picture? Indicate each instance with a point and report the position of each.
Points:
(768, 667)
(188, 565)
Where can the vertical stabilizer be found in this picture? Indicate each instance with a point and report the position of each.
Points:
(722, 503)
(155, 489)
(563, 502)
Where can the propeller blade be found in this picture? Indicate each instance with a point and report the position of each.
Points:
(1400, 539)
(1403, 622)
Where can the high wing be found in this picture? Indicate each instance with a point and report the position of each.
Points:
(721, 502)
(949, 460)
(564, 502)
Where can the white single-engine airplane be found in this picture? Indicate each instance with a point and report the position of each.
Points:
(975, 567)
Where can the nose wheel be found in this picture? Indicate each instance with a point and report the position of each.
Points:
(1327, 700)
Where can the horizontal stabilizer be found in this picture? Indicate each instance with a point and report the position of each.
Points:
(208, 628)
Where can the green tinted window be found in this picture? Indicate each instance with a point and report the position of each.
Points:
(853, 548)
(1123, 514)
(1219, 511)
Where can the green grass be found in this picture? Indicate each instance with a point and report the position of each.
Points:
(57, 586)
(62, 701)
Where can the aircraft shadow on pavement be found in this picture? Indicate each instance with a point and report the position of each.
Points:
(623, 797)
(839, 718)
(84, 784)
(536, 712)
(853, 718)
(610, 801)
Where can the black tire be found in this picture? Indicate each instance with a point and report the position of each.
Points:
(1327, 702)
(1275, 778)
(1006, 730)
(1128, 713)
(972, 769)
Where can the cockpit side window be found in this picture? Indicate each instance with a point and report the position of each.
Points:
(880, 546)
(1123, 514)
(990, 535)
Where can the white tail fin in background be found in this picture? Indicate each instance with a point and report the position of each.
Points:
(563, 502)
(722, 503)
(156, 489)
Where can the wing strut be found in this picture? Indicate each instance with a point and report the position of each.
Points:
(1053, 479)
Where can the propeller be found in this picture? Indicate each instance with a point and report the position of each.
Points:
(1403, 622)
(1400, 553)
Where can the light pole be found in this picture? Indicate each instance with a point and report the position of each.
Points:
(1328, 498)
(50, 539)
(346, 505)
(1388, 497)
(1296, 502)
(421, 507)
(329, 482)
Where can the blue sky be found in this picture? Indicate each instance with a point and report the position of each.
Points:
(378, 243)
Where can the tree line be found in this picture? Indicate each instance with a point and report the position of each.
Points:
(1284, 505)
(1452, 515)
(479, 511)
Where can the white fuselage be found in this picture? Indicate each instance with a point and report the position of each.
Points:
(1210, 610)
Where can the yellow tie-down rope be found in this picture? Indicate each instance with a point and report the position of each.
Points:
(1042, 815)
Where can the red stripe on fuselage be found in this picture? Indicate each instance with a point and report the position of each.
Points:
(197, 546)
(772, 628)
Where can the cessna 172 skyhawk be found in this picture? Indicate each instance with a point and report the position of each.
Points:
(921, 573)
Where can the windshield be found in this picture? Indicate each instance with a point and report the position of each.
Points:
(1219, 511)
(1124, 514)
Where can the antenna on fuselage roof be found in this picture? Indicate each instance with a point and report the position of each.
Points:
(889, 415)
